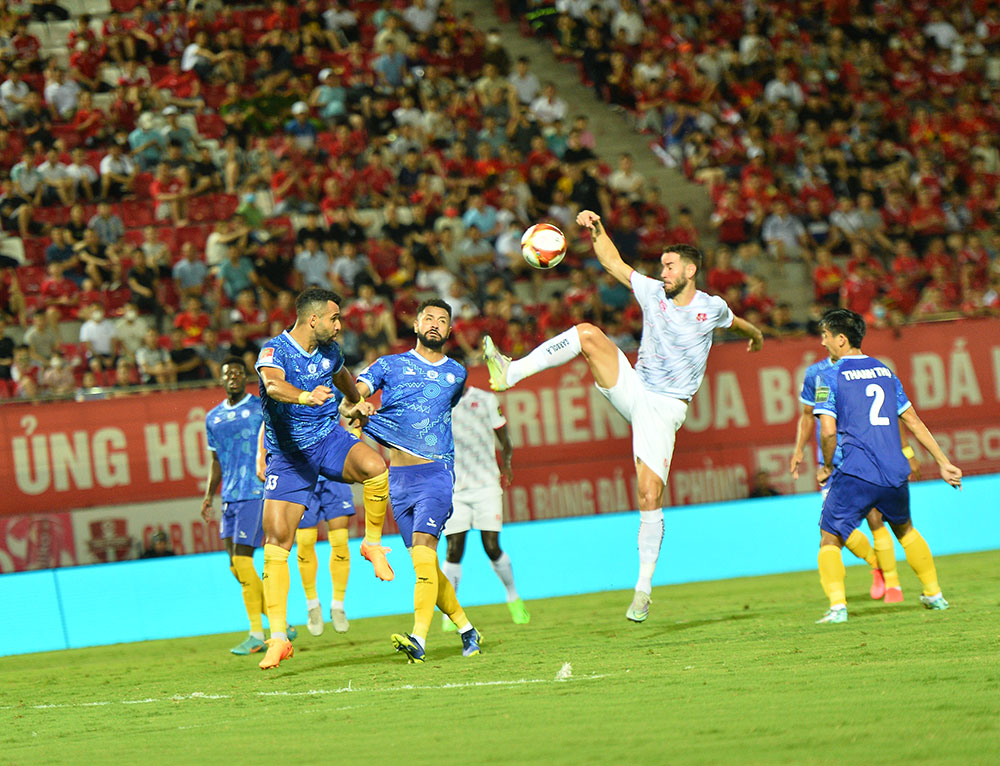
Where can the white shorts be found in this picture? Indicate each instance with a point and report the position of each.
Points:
(655, 418)
(480, 508)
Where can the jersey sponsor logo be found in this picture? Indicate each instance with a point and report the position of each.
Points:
(564, 343)
(409, 371)
(450, 378)
(266, 355)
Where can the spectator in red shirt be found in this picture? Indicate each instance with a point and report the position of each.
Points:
(60, 291)
(828, 278)
(723, 274)
(859, 289)
(88, 121)
(193, 321)
(730, 219)
(927, 219)
(757, 299)
(170, 194)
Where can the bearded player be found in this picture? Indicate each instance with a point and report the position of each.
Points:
(678, 324)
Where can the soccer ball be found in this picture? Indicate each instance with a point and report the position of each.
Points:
(543, 246)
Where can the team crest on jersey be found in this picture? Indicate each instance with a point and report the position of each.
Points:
(245, 414)
(326, 364)
(312, 369)
(432, 374)
(230, 416)
(701, 317)
(663, 305)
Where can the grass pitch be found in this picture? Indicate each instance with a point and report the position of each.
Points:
(722, 672)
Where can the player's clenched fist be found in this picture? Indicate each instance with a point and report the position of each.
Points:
(317, 396)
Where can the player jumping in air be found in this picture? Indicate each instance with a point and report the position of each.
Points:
(304, 440)
(860, 402)
(419, 390)
(678, 323)
(881, 559)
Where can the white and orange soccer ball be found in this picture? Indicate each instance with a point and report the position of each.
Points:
(543, 246)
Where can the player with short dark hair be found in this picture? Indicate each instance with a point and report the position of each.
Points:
(678, 324)
(228, 426)
(882, 557)
(419, 389)
(304, 440)
(860, 402)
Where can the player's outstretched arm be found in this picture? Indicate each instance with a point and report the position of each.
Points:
(802, 432)
(747, 330)
(214, 480)
(281, 390)
(604, 248)
(950, 472)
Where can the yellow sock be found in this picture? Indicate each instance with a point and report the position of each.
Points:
(426, 589)
(918, 556)
(253, 589)
(858, 544)
(340, 562)
(447, 601)
(275, 583)
(305, 548)
(232, 568)
(376, 497)
(886, 555)
(831, 574)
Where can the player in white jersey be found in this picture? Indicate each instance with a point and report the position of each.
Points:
(477, 424)
(678, 323)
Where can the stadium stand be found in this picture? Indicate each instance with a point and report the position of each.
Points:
(390, 150)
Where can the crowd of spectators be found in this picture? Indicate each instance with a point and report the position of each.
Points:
(186, 170)
(854, 138)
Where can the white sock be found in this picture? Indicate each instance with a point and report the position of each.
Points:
(418, 641)
(312, 603)
(551, 353)
(505, 572)
(258, 634)
(453, 572)
(650, 539)
(279, 636)
(337, 605)
(465, 628)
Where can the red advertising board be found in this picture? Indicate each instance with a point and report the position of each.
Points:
(572, 450)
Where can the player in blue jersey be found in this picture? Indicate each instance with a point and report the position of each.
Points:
(231, 429)
(860, 402)
(881, 558)
(419, 390)
(679, 322)
(304, 440)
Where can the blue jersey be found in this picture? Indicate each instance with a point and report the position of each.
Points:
(298, 426)
(866, 398)
(417, 399)
(231, 432)
(808, 396)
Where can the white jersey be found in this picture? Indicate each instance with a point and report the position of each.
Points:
(676, 339)
(473, 421)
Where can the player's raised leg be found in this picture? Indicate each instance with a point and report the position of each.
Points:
(918, 556)
(364, 465)
(601, 354)
(281, 517)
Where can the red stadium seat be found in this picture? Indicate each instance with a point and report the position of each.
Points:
(34, 250)
(225, 206)
(201, 209)
(211, 125)
(142, 183)
(138, 213)
(67, 135)
(134, 236)
(197, 235)
(51, 215)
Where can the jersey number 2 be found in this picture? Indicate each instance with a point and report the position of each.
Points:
(878, 394)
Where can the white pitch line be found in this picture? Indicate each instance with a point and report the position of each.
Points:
(318, 692)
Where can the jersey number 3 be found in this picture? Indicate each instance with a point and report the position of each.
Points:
(878, 395)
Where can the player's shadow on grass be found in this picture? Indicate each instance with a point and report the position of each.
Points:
(687, 624)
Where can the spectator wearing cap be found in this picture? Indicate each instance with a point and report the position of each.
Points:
(148, 144)
(118, 172)
(174, 132)
(329, 96)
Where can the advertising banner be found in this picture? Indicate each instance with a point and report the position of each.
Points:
(572, 449)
